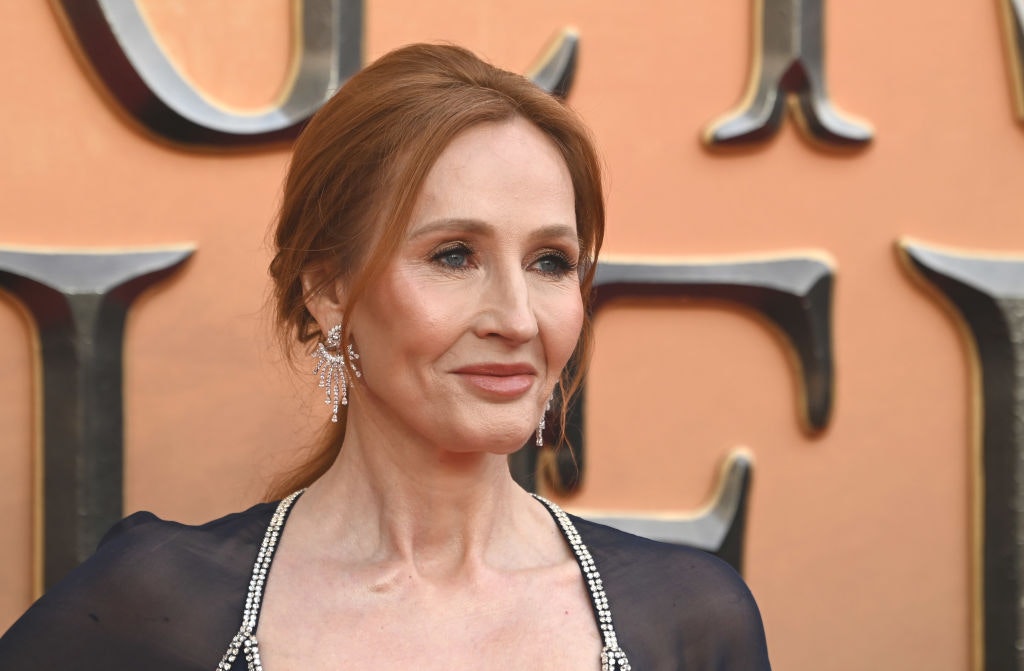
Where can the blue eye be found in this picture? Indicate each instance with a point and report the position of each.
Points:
(454, 256)
(554, 265)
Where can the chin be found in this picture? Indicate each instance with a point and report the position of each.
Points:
(494, 440)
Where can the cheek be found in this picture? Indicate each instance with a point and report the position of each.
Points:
(563, 327)
(409, 318)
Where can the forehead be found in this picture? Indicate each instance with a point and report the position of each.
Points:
(498, 172)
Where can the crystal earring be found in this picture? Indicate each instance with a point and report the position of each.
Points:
(543, 422)
(330, 366)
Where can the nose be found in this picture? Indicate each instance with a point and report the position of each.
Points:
(506, 310)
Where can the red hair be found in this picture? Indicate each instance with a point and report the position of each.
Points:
(357, 170)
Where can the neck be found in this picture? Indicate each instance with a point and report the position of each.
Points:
(434, 511)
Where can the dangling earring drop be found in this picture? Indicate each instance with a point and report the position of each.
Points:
(543, 422)
(330, 366)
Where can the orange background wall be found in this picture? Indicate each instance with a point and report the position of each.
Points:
(859, 540)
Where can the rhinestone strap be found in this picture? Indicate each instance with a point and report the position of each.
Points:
(613, 658)
(244, 641)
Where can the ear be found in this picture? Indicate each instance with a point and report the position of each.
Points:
(325, 297)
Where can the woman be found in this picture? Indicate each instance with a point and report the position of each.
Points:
(435, 248)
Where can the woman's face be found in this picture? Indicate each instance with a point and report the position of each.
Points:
(466, 332)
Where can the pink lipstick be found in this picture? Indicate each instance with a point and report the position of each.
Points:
(499, 379)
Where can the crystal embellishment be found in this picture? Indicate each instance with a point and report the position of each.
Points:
(613, 658)
(330, 366)
(245, 641)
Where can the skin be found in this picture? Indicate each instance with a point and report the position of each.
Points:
(417, 549)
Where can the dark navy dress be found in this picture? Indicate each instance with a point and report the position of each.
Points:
(163, 596)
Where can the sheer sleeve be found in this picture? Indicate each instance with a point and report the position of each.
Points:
(676, 608)
(156, 595)
(160, 596)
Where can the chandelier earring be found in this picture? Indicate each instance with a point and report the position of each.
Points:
(543, 421)
(330, 366)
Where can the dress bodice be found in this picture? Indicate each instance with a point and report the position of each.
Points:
(164, 596)
(244, 643)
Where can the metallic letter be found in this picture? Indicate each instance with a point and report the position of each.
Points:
(789, 58)
(987, 294)
(793, 293)
(556, 68)
(1013, 22)
(79, 303)
(117, 43)
(719, 530)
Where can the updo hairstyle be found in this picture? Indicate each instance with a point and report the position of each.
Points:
(356, 172)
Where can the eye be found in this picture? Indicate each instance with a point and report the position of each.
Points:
(554, 264)
(454, 256)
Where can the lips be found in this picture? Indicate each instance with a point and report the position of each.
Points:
(507, 380)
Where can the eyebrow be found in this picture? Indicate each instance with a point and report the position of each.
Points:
(453, 225)
(477, 227)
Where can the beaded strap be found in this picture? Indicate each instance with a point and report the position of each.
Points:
(245, 640)
(613, 658)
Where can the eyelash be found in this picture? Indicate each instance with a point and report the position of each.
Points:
(448, 250)
(563, 264)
